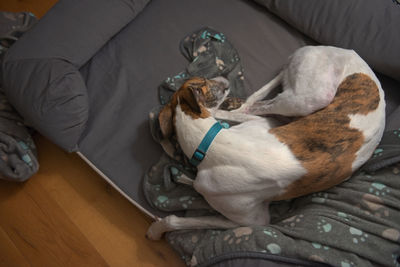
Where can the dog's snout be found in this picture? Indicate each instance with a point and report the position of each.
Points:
(221, 80)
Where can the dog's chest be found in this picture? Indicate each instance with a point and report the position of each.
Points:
(325, 142)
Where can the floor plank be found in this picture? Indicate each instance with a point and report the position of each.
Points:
(40, 229)
(37, 7)
(10, 255)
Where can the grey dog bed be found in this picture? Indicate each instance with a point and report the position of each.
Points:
(87, 74)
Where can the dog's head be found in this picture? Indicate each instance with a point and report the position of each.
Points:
(197, 97)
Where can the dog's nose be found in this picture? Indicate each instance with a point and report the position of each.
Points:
(222, 81)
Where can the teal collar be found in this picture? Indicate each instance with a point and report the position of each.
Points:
(201, 150)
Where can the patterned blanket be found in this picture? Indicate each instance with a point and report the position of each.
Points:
(18, 157)
(356, 223)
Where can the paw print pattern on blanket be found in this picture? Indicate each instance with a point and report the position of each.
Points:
(324, 227)
(375, 205)
(391, 234)
(358, 235)
(186, 201)
(319, 246)
(397, 132)
(347, 263)
(343, 215)
(274, 248)
(271, 233)
(378, 189)
(377, 153)
(239, 235)
(292, 221)
(162, 201)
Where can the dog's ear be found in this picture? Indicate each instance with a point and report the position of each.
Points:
(165, 120)
(191, 97)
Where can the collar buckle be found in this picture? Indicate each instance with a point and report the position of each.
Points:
(200, 152)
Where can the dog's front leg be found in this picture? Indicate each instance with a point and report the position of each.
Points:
(234, 116)
(241, 117)
(172, 223)
(260, 94)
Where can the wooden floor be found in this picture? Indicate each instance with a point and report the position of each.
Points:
(67, 215)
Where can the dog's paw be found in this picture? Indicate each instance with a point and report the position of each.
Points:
(155, 231)
(232, 103)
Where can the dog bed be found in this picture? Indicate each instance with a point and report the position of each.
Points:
(89, 72)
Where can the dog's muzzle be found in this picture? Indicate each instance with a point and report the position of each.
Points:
(223, 82)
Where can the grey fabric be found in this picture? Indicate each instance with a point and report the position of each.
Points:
(12, 26)
(74, 30)
(392, 99)
(256, 259)
(18, 156)
(41, 75)
(393, 120)
(387, 153)
(210, 55)
(51, 96)
(369, 27)
(123, 77)
(356, 223)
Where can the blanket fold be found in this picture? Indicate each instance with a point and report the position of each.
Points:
(18, 155)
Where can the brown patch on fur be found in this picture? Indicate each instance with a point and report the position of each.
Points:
(189, 102)
(324, 142)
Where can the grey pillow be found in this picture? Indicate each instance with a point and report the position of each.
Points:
(40, 72)
(51, 96)
(370, 27)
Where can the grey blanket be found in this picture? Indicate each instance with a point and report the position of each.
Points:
(210, 55)
(18, 157)
(353, 224)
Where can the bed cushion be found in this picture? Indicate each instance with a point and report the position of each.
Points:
(41, 75)
(369, 27)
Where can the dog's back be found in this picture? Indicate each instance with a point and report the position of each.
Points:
(335, 141)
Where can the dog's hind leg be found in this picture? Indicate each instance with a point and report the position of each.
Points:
(172, 223)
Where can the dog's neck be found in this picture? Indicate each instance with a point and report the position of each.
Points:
(190, 132)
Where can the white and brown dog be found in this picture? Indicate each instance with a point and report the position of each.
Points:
(342, 109)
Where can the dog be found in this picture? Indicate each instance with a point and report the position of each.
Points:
(340, 107)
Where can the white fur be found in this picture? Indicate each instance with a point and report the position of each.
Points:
(246, 166)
